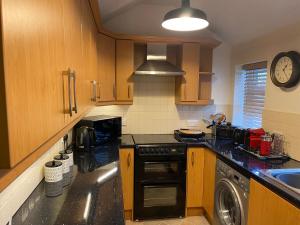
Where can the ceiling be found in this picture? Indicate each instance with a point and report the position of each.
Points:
(234, 21)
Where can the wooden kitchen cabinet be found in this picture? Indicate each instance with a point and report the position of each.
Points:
(106, 89)
(187, 87)
(194, 178)
(127, 174)
(266, 207)
(40, 40)
(124, 70)
(209, 182)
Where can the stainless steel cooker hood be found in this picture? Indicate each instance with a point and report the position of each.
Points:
(157, 64)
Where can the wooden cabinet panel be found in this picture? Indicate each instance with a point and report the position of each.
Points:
(209, 182)
(41, 39)
(189, 91)
(194, 179)
(124, 70)
(73, 46)
(32, 62)
(90, 60)
(127, 168)
(106, 68)
(265, 207)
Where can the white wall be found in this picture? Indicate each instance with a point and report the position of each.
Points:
(282, 108)
(154, 109)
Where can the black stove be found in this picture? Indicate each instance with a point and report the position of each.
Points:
(159, 176)
(154, 139)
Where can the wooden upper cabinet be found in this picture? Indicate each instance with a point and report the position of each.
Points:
(40, 40)
(33, 60)
(209, 182)
(194, 179)
(106, 89)
(124, 70)
(90, 57)
(188, 90)
(266, 207)
(205, 73)
(127, 171)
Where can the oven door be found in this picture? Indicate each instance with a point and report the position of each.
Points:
(159, 200)
(160, 168)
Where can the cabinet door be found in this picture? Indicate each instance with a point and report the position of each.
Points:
(190, 64)
(90, 66)
(265, 207)
(73, 43)
(127, 167)
(124, 69)
(209, 182)
(106, 68)
(32, 33)
(194, 187)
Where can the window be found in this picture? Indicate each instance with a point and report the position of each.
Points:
(249, 96)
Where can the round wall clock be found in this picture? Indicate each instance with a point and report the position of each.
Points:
(285, 69)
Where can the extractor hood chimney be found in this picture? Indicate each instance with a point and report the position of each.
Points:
(157, 64)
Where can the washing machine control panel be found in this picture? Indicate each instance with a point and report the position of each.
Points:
(233, 175)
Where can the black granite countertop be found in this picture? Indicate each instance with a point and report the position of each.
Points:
(93, 197)
(126, 141)
(250, 166)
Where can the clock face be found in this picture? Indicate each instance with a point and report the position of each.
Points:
(284, 69)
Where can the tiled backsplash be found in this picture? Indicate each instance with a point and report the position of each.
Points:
(286, 124)
(154, 109)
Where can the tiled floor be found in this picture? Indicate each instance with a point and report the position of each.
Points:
(194, 220)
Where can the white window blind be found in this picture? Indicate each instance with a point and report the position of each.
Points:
(251, 94)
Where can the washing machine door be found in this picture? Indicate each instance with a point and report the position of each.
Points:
(228, 206)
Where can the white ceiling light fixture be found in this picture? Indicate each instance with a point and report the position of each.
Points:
(185, 18)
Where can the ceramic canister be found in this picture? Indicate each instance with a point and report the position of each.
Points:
(69, 153)
(66, 168)
(53, 172)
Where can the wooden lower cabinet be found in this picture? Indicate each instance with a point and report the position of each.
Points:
(127, 174)
(194, 178)
(267, 208)
(209, 182)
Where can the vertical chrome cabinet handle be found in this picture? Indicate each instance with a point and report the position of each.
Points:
(193, 158)
(114, 91)
(128, 91)
(73, 75)
(69, 92)
(93, 98)
(67, 73)
(128, 160)
(99, 90)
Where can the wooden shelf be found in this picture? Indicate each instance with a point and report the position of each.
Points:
(199, 102)
(206, 73)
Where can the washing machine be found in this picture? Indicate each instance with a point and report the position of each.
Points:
(231, 196)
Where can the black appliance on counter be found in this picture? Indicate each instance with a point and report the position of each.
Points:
(225, 130)
(95, 141)
(159, 177)
(200, 138)
(106, 128)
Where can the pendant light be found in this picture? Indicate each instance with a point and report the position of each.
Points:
(185, 18)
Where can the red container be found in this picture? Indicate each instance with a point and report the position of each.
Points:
(265, 145)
